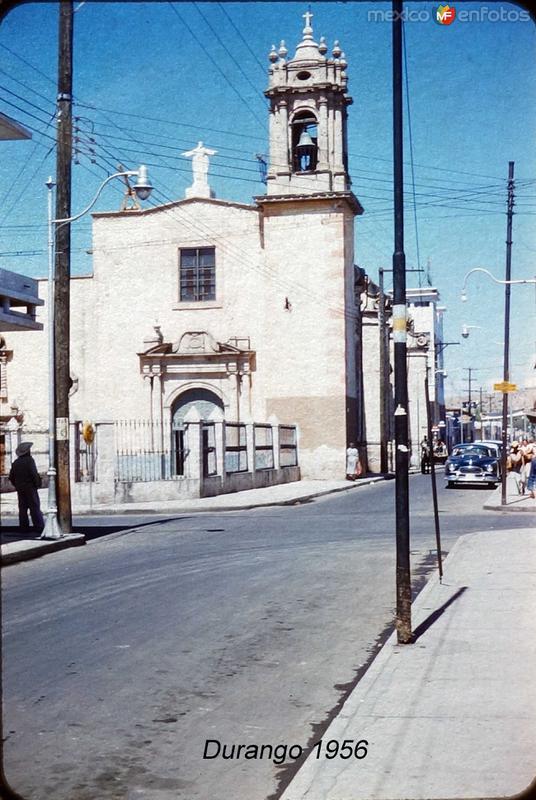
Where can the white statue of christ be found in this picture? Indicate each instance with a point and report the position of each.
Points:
(200, 164)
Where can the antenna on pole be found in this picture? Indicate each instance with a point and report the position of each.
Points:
(429, 271)
(263, 166)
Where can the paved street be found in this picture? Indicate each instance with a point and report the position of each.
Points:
(123, 657)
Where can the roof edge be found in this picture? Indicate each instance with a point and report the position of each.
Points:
(165, 206)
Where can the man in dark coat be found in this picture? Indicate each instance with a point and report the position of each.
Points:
(26, 480)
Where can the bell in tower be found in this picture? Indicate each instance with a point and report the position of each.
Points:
(308, 118)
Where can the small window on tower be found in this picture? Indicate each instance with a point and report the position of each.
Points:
(304, 142)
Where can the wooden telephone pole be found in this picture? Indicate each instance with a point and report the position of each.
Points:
(403, 575)
(63, 261)
(506, 362)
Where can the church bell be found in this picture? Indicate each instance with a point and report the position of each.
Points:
(305, 151)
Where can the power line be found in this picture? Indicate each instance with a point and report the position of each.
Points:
(28, 88)
(30, 179)
(35, 69)
(244, 41)
(235, 61)
(411, 153)
(250, 136)
(214, 62)
(29, 114)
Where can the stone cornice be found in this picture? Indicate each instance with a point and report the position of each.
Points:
(166, 206)
(314, 197)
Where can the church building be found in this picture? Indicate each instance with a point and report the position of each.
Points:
(242, 311)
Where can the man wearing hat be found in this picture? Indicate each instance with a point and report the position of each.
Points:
(26, 480)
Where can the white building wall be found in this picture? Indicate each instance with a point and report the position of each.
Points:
(289, 297)
(305, 363)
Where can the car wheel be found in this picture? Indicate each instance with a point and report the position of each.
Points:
(450, 485)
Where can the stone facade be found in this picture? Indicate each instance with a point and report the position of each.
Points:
(250, 309)
(425, 352)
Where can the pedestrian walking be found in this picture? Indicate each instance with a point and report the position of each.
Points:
(425, 456)
(531, 480)
(514, 463)
(26, 480)
(353, 464)
(527, 454)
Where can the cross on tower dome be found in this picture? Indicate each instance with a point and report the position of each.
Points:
(308, 30)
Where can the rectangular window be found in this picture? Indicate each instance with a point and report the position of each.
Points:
(264, 449)
(236, 456)
(197, 279)
(288, 446)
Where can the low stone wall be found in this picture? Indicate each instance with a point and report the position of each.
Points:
(107, 489)
(241, 481)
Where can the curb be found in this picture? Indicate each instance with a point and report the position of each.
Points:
(510, 507)
(247, 507)
(110, 510)
(14, 552)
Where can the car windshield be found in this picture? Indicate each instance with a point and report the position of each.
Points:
(471, 450)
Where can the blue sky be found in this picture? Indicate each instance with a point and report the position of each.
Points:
(151, 79)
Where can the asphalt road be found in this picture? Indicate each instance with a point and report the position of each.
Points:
(122, 658)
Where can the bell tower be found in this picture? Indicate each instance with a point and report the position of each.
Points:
(308, 118)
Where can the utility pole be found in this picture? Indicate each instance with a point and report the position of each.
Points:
(432, 473)
(470, 370)
(63, 261)
(481, 409)
(384, 375)
(506, 362)
(403, 575)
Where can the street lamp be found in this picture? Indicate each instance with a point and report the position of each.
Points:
(467, 328)
(143, 189)
(493, 278)
(506, 361)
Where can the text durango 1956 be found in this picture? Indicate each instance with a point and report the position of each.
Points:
(331, 748)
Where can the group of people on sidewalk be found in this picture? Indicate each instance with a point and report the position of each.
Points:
(521, 464)
(439, 450)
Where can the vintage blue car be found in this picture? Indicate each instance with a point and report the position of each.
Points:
(474, 462)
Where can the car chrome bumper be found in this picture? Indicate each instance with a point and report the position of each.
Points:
(472, 478)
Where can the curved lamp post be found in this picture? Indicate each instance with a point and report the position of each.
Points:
(143, 189)
(493, 278)
(506, 362)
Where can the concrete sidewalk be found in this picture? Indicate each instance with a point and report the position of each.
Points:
(514, 501)
(21, 549)
(452, 715)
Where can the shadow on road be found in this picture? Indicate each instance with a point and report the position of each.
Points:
(92, 530)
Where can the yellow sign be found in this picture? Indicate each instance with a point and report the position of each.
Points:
(504, 386)
(88, 432)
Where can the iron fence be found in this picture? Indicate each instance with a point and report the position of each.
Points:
(288, 446)
(209, 449)
(264, 446)
(144, 451)
(236, 454)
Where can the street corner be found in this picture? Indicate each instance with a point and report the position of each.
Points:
(27, 549)
(515, 502)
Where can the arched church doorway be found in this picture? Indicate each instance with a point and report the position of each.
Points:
(204, 401)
